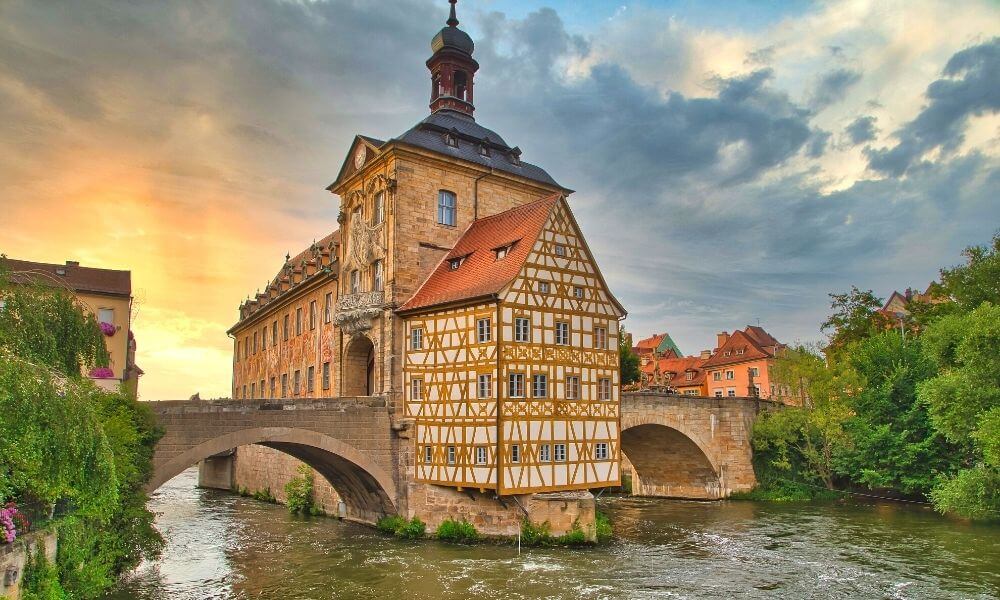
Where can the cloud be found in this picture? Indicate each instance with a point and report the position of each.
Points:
(832, 87)
(969, 88)
(861, 130)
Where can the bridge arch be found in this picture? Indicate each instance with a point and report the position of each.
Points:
(670, 460)
(366, 489)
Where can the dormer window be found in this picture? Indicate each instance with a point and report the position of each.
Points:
(484, 150)
(503, 251)
(515, 156)
(455, 263)
(451, 139)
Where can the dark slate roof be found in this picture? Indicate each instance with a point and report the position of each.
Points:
(430, 133)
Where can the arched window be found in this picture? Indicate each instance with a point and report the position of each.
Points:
(461, 84)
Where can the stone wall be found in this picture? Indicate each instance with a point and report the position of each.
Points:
(494, 516)
(257, 468)
(15, 556)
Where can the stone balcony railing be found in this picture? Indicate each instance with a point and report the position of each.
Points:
(355, 311)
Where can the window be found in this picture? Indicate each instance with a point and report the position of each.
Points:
(245, 391)
(451, 455)
(515, 453)
(718, 393)
(326, 376)
(484, 328)
(600, 337)
(246, 346)
(522, 329)
(572, 387)
(427, 454)
(272, 387)
(539, 386)
(577, 291)
(455, 263)
(690, 392)
(417, 338)
(328, 308)
(446, 208)
(416, 389)
(754, 372)
(274, 333)
(297, 382)
(515, 386)
(502, 252)
(237, 351)
(604, 389)
(560, 452)
(480, 455)
(731, 392)
(298, 321)
(310, 379)
(284, 330)
(485, 386)
(261, 388)
(378, 212)
(543, 287)
(717, 376)
(377, 276)
(688, 375)
(560, 250)
(562, 334)
(544, 453)
(284, 385)
(601, 451)
(254, 343)
(355, 282)
(263, 339)
(730, 375)
(106, 315)
(313, 315)
(253, 390)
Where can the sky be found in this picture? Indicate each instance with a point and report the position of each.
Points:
(735, 162)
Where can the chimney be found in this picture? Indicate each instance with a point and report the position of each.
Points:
(72, 263)
(706, 354)
(721, 339)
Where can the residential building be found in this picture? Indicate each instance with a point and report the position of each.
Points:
(684, 375)
(741, 364)
(104, 293)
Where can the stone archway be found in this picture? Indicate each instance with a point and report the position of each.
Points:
(367, 490)
(668, 463)
(359, 367)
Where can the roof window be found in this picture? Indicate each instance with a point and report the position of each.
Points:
(456, 262)
(503, 251)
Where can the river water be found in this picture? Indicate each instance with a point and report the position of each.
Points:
(225, 546)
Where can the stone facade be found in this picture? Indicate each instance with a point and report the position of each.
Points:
(14, 557)
(258, 468)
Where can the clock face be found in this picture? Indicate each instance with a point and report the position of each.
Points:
(359, 158)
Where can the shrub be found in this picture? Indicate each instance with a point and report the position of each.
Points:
(604, 530)
(401, 528)
(574, 537)
(299, 492)
(390, 523)
(462, 531)
(264, 495)
(536, 535)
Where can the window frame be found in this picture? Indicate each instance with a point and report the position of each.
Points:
(484, 379)
(311, 379)
(515, 385)
(325, 377)
(544, 453)
(378, 208)
(447, 208)
(298, 320)
(515, 453)
(572, 387)
(526, 337)
(562, 333)
(601, 338)
(556, 448)
(297, 382)
(328, 307)
(416, 338)
(313, 315)
(417, 389)
(482, 456)
(484, 326)
(378, 276)
(544, 380)
(602, 451)
(604, 388)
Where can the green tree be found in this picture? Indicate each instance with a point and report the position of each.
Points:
(977, 281)
(628, 359)
(964, 404)
(807, 439)
(856, 316)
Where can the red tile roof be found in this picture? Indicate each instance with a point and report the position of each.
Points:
(753, 343)
(649, 344)
(678, 366)
(71, 275)
(481, 274)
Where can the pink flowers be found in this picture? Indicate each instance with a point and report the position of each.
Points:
(10, 519)
(108, 329)
(102, 373)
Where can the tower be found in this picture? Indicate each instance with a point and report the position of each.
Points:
(452, 68)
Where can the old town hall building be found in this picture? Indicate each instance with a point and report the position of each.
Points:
(460, 287)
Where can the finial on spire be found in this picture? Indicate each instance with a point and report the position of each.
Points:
(452, 19)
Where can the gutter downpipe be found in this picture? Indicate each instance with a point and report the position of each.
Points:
(475, 193)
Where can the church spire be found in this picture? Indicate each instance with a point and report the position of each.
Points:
(452, 68)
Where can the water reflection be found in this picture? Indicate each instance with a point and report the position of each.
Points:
(222, 546)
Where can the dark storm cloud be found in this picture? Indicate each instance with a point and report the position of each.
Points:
(832, 87)
(970, 88)
(861, 130)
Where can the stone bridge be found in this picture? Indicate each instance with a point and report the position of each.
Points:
(677, 446)
(688, 446)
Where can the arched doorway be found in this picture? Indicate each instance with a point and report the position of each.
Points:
(359, 367)
(669, 464)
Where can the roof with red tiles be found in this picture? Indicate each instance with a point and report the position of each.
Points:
(753, 343)
(678, 366)
(81, 279)
(480, 273)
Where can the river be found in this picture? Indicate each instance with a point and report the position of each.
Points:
(224, 546)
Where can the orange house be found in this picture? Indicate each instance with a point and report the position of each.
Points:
(741, 364)
(684, 374)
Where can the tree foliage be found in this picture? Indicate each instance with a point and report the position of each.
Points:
(855, 317)
(628, 359)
